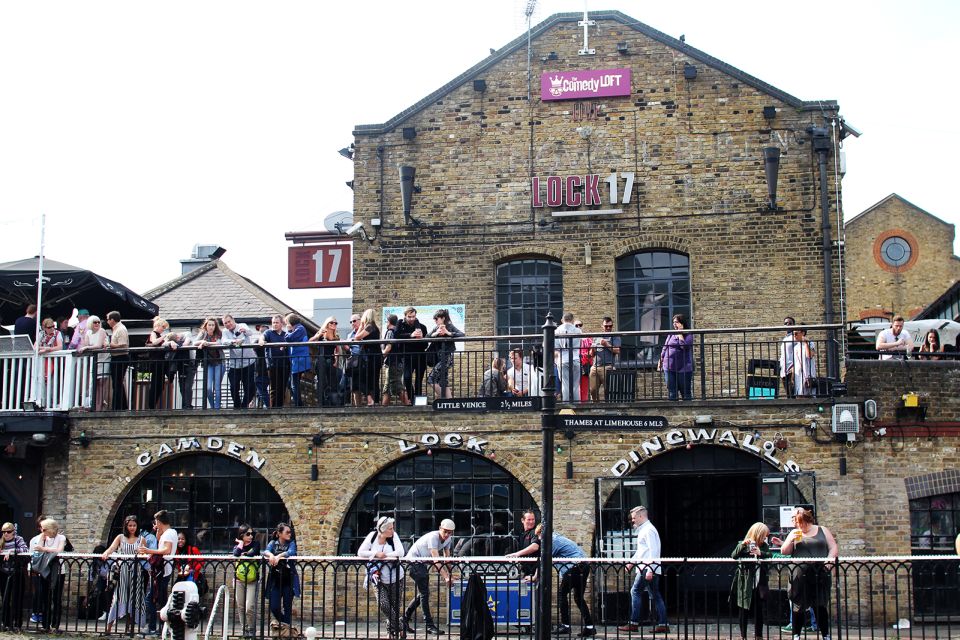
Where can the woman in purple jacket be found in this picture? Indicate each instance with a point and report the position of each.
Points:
(676, 360)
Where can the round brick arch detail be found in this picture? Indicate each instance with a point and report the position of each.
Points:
(329, 531)
(895, 233)
(121, 487)
(651, 243)
(516, 253)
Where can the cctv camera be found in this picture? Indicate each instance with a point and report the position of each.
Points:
(851, 130)
(355, 229)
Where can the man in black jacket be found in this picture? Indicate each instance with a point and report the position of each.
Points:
(411, 331)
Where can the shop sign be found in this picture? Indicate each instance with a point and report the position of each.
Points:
(688, 437)
(582, 190)
(319, 266)
(591, 83)
(234, 449)
(529, 403)
(619, 423)
(453, 440)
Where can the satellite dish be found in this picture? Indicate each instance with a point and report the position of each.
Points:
(342, 218)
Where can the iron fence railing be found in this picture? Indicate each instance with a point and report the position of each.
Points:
(870, 597)
(757, 363)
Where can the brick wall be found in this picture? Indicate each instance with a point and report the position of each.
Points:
(873, 289)
(695, 146)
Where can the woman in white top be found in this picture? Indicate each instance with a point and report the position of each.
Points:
(96, 338)
(48, 605)
(384, 544)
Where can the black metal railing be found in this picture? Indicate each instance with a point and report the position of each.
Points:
(341, 598)
(723, 364)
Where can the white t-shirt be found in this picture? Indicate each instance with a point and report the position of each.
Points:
(390, 572)
(421, 548)
(58, 542)
(887, 337)
(170, 535)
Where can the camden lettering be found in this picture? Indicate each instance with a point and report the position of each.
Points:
(677, 437)
(213, 443)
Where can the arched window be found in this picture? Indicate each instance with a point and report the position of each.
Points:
(483, 499)
(208, 496)
(526, 291)
(652, 286)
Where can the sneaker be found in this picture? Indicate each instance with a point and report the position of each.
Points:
(586, 632)
(629, 628)
(561, 629)
(36, 618)
(787, 627)
(810, 629)
(433, 629)
(661, 628)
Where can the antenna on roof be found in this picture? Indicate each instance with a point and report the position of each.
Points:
(586, 23)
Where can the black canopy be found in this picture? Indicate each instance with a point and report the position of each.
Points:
(65, 287)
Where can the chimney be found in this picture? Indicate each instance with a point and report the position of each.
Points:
(202, 254)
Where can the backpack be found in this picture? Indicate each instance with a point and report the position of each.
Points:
(247, 571)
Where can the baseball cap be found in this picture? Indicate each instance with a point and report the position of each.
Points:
(448, 524)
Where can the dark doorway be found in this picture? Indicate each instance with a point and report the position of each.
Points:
(703, 515)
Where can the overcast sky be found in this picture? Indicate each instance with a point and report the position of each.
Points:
(141, 129)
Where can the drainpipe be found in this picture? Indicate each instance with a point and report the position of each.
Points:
(821, 145)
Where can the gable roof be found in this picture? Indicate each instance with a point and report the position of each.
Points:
(890, 197)
(936, 308)
(535, 32)
(213, 290)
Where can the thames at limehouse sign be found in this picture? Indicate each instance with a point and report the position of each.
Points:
(576, 85)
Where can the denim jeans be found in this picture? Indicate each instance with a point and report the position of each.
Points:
(652, 589)
(213, 383)
(281, 602)
(679, 384)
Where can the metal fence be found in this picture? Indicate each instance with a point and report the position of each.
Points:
(878, 597)
(743, 363)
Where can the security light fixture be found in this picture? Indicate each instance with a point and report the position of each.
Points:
(622, 49)
(689, 71)
(769, 112)
(480, 85)
(409, 133)
(347, 152)
(703, 419)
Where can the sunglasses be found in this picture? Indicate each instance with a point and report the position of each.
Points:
(8, 530)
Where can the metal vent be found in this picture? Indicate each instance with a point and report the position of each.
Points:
(846, 418)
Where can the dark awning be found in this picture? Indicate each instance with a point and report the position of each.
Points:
(65, 287)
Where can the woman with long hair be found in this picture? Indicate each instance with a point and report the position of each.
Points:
(247, 578)
(96, 338)
(676, 360)
(156, 361)
(299, 355)
(208, 341)
(931, 345)
(328, 370)
(371, 358)
(283, 583)
(750, 582)
(128, 595)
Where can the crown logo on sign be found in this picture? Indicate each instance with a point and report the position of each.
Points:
(556, 82)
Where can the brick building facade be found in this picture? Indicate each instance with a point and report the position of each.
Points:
(899, 259)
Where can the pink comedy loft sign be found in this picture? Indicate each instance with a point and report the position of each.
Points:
(575, 85)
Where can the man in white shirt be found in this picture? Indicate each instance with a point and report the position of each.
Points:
(166, 547)
(896, 338)
(648, 573)
(522, 379)
(431, 545)
(568, 358)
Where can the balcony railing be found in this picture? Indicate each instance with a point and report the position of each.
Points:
(626, 367)
(874, 597)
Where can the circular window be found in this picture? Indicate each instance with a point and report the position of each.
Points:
(895, 251)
